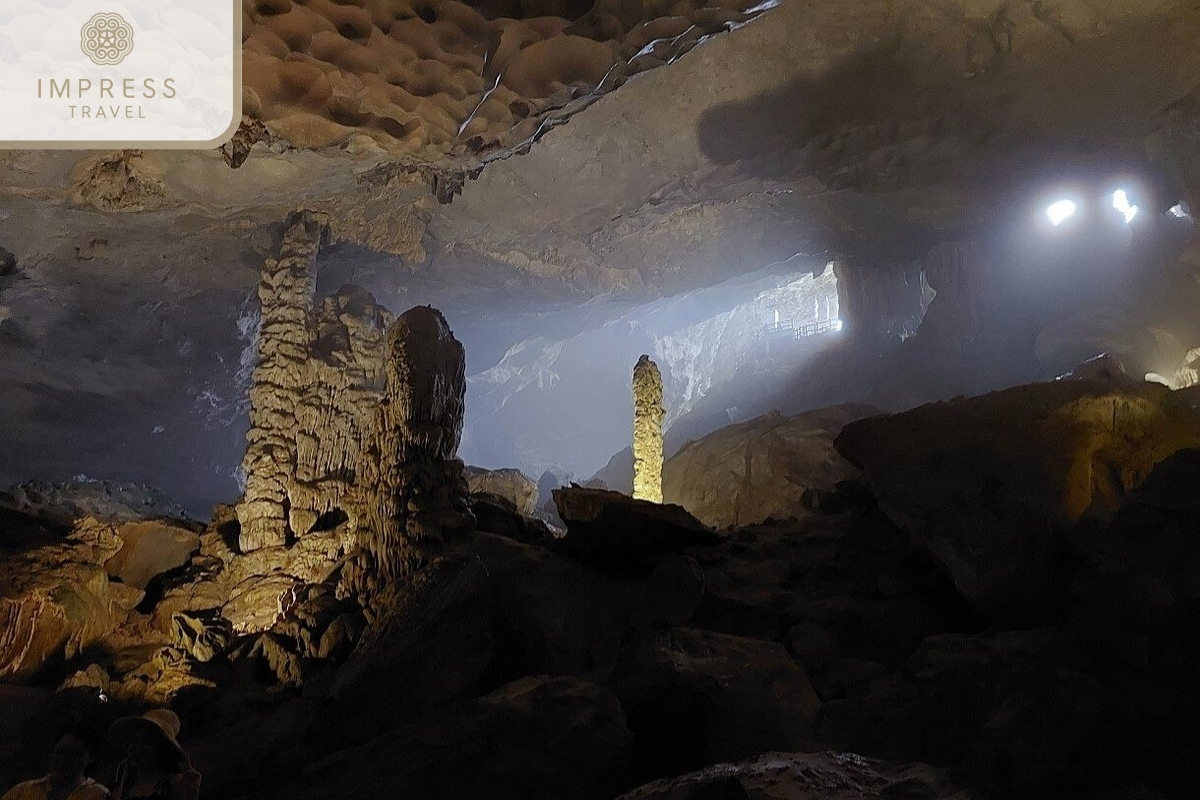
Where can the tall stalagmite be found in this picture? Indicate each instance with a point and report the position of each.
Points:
(318, 381)
(413, 495)
(648, 413)
(285, 339)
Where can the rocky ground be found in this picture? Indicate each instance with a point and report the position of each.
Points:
(1002, 604)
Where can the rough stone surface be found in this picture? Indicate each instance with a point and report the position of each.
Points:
(63, 503)
(56, 600)
(806, 776)
(413, 501)
(511, 484)
(149, 549)
(612, 527)
(1020, 465)
(752, 471)
(699, 697)
(318, 378)
(648, 413)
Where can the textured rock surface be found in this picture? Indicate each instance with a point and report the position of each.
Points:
(451, 76)
(648, 413)
(746, 473)
(806, 776)
(149, 549)
(511, 484)
(318, 378)
(57, 600)
(609, 527)
(699, 697)
(413, 501)
(64, 503)
(1020, 465)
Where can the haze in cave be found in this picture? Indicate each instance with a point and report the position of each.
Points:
(556, 400)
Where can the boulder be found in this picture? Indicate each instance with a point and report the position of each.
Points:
(149, 549)
(430, 648)
(613, 529)
(554, 615)
(696, 697)
(511, 484)
(988, 485)
(806, 776)
(538, 738)
(749, 472)
(57, 600)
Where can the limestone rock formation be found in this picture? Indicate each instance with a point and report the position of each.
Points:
(413, 495)
(149, 549)
(285, 340)
(697, 697)
(318, 378)
(613, 529)
(648, 414)
(510, 484)
(806, 776)
(65, 502)
(746, 473)
(474, 78)
(57, 600)
(1021, 465)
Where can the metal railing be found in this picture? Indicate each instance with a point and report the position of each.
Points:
(787, 327)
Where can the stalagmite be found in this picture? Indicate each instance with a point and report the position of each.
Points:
(318, 380)
(413, 496)
(286, 295)
(648, 413)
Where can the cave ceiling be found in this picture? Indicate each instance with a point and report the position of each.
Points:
(570, 149)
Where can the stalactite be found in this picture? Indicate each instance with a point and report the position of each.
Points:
(648, 414)
(412, 503)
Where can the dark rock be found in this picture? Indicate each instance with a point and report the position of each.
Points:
(511, 484)
(696, 697)
(806, 776)
(614, 530)
(8, 263)
(989, 485)
(539, 738)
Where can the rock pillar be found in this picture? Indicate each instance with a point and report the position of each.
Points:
(648, 413)
(413, 495)
(286, 294)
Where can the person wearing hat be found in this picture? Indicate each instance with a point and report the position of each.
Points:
(155, 766)
(68, 760)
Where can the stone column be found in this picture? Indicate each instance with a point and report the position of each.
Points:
(285, 338)
(413, 495)
(648, 413)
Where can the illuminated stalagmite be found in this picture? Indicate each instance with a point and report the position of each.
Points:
(648, 416)
(286, 295)
(413, 495)
(318, 380)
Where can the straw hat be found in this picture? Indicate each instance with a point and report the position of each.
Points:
(161, 723)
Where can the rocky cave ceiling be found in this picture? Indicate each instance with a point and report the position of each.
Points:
(561, 150)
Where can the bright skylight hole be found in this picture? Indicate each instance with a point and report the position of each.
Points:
(1120, 200)
(1060, 212)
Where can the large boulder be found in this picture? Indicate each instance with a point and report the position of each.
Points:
(149, 549)
(806, 776)
(613, 529)
(538, 738)
(511, 484)
(57, 600)
(554, 615)
(989, 484)
(746, 473)
(695, 697)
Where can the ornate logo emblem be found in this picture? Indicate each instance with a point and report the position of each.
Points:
(106, 39)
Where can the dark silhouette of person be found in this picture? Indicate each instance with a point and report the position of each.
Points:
(66, 781)
(155, 767)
